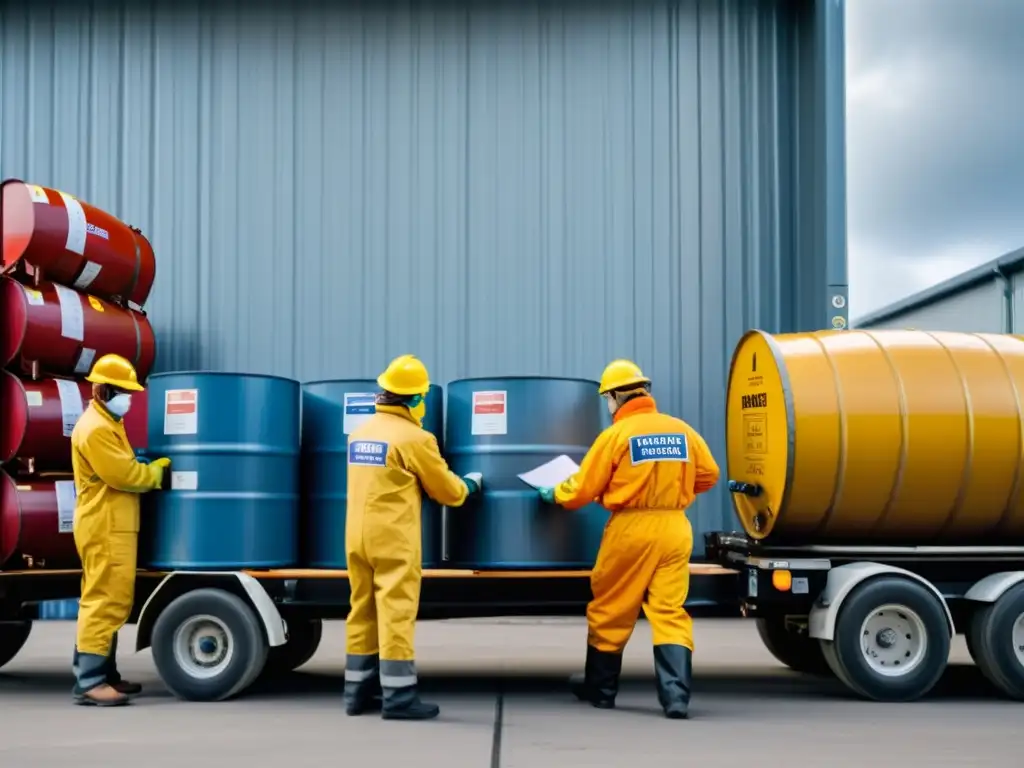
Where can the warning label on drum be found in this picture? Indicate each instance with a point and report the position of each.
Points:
(181, 412)
(490, 413)
(359, 406)
(65, 490)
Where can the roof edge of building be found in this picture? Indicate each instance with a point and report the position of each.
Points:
(1009, 263)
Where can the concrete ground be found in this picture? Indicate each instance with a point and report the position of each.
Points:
(501, 688)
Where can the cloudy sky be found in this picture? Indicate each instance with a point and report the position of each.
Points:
(935, 141)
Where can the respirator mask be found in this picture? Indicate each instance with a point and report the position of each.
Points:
(417, 407)
(119, 404)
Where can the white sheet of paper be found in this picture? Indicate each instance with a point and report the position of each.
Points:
(548, 475)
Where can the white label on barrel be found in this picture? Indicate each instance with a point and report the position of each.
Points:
(89, 272)
(38, 193)
(35, 298)
(184, 481)
(65, 505)
(490, 414)
(359, 406)
(181, 412)
(72, 320)
(34, 399)
(70, 404)
(76, 224)
(85, 358)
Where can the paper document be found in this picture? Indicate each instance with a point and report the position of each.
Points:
(548, 475)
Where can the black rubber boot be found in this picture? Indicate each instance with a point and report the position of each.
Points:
(362, 684)
(401, 697)
(405, 704)
(599, 684)
(673, 671)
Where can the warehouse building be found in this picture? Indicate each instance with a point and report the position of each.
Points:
(501, 188)
(986, 299)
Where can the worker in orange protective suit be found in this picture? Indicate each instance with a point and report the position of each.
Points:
(108, 481)
(390, 457)
(646, 470)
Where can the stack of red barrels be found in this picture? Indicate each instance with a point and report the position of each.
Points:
(74, 282)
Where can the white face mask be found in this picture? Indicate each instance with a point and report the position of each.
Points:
(119, 404)
(612, 405)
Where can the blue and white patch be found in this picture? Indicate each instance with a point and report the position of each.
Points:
(668, 446)
(368, 453)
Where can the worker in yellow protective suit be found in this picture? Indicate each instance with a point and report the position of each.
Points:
(108, 481)
(390, 458)
(646, 470)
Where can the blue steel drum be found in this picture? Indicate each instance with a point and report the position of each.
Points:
(58, 610)
(233, 442)
(330, 411)
(502, 428)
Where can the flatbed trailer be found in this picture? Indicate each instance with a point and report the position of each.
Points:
(881, 618)
(213, 634)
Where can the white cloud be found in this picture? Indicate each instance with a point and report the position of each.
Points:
(934, 150)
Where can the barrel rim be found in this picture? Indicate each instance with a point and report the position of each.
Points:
(15, 417)
(8, 495)
(523, 378)
(231, 374)
(16, 320)
(787, 399)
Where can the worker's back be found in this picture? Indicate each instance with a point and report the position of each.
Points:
(657, 460)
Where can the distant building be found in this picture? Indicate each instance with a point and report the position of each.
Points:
(986, 299)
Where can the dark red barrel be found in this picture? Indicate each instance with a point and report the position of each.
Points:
(65, 331)
(74, 243)
(36, 524)
(38, 419)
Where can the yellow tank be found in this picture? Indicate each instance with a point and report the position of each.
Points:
(895, 437)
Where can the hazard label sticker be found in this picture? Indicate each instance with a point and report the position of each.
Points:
(359, 406)
(38, 193)
(181, 412)
(490, 413)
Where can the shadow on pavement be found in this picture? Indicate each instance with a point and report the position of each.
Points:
(961, 682)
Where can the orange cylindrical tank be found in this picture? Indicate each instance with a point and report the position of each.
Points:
(36, 518)
(63, 331)
(907, 437)
(75, 244)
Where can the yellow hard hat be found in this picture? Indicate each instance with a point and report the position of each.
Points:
(116, 371)
(405, 375)
(621, 373)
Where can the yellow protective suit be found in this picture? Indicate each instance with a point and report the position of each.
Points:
(390, 457)
(108, 480)
(646, 469)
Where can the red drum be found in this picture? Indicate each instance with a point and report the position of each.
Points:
(36, 520)
(65, 331)
(74, 243)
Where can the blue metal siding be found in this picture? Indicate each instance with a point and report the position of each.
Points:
(506, 188)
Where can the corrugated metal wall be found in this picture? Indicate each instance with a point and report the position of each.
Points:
(506, 188)
(981, 308)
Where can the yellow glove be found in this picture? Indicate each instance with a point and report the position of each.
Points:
(162, 463)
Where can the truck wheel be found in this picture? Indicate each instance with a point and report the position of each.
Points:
(997, 642)
(208, 645)
(303, 640)
(13, 635)
(798, 652)
(891, 640)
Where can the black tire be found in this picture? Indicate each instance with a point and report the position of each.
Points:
(235, 626)
(13, 635)
(992, 643)
(798, 652)
(303, 639)
(848, 658)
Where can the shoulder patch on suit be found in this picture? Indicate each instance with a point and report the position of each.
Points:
(368, 453)
(665, 446)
